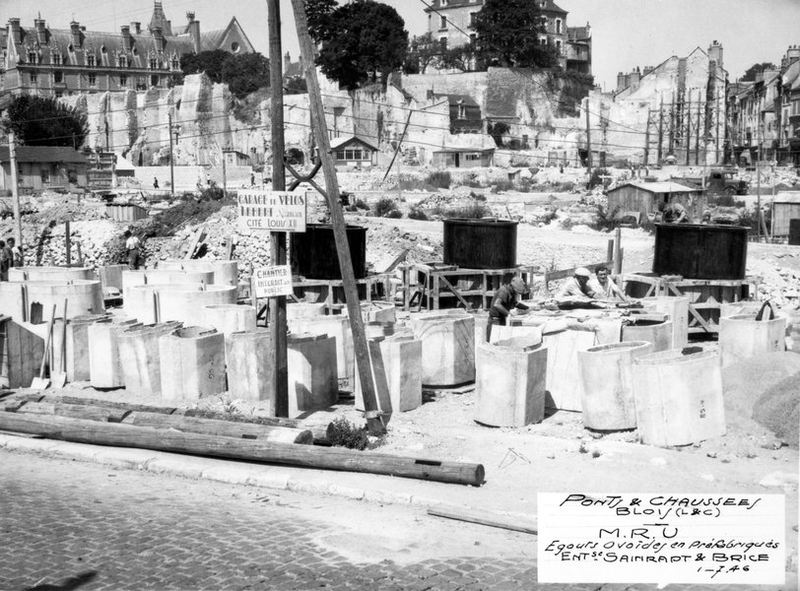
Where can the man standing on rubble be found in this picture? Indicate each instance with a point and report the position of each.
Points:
(132, 247)
(504, 301)
(16, 253)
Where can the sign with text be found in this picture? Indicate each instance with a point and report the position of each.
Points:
(661, 538)
(274, 211)
(270, 282)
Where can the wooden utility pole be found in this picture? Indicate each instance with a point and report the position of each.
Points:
(277, 305)
(671, 150)
(688, 138)
(647, 138)
(588, 145)
(171, 158)
(697, 133)
(758, 179)
(374, 422)
(660, 131)
(224, 175)
(12, 156)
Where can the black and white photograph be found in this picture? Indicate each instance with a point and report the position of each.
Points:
(399, 295)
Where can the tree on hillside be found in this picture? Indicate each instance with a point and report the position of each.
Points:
(750, 73)
(360, 41)
(39, 121)
(508, 35)
(317, 13)
(210, 62)
(246, 73)
(423, 51)
(243, 73)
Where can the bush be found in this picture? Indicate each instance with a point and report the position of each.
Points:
(606, 220)
(596, 179)
(502, 186)
(477, 196)
(385, 206)
(417, 213)
(470, 212)
(360, 204)
(212, 192)
(394, 214)
(440, 179)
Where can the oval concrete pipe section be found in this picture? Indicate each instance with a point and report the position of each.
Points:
(304, 310)
(657, 332)
(229, 318)
(606, 373)
(376, 312)
(251, 372)
(337, 326)
(510, 380)
(396, 364)
(185, 304)
(313, 383)
(448, 348)
(164, 277)
(192, 364)
(677, 311)
(143, 301)
(678, 397)
(138, 347)
(51, 274)
(105, 367)
(84, 297)
(226, 272)
(742, 336)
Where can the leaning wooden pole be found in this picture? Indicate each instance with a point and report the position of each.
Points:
(307, 456)
(374, 422)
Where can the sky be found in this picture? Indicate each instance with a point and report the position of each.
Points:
(626, 33)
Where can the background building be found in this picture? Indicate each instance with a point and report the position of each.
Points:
(61, 62)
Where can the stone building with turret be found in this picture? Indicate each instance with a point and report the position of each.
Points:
(61, 62)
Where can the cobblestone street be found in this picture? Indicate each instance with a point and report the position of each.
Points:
(140, 531)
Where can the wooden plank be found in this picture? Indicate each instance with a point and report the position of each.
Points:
(484, 518)
(308, 456)
(198, 236)
(455, 292)
(75, 411)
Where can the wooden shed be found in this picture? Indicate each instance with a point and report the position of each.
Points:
(354, 152)
(785, 207)
(41, 168)
(462, 157)
(640, 199)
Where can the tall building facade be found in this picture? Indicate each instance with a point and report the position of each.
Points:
(61, 62)
(452, 23)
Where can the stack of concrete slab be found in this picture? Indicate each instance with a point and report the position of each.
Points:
(448, 347)
(192, 364)
(337, 327)
(105, 365)
(139, 350)
(396, 362)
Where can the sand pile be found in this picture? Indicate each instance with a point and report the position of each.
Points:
(777, 409)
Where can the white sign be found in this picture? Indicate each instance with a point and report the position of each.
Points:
(661, 538)
(274, 211)
(270, 282)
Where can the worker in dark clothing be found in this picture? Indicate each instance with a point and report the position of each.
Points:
(674, 213)
(505, 300)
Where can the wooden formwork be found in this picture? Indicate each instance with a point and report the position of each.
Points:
(434, 286)
(330, 291)
(705, 295)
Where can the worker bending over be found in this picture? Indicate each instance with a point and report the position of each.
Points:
(504, 301)
(577, 287)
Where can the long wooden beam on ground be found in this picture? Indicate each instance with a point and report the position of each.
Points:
(307, 456)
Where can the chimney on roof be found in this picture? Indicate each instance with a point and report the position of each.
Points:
(127, 40)
(647, 70)
(715, 53)
(41, 31)
(137, 27)
(16, 33)
(634, 77)
(622, 81)
(194, 32)
(75, 29)
(161, 43)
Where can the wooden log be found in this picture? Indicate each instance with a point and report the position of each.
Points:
(75, 411)
(308, 456)
(484, 518)
(237, 429)
(128, 406)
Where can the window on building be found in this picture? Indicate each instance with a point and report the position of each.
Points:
(235, 47)
(442, 22)
(123, 81)
(443, 2)
(57, 59)
(141, 83)
(90, 60)
(154, 80)
(176, 64)
(153, 63)
(123, 61)
(340, 154)
(34, 78)
(32, 57)
(558, 45)
(473, 38)
(45, 175)
(443, 43)
(558, 26)
(542, 40)
(472, 157)
(58, 77)
(92, 79)
(473, 16)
